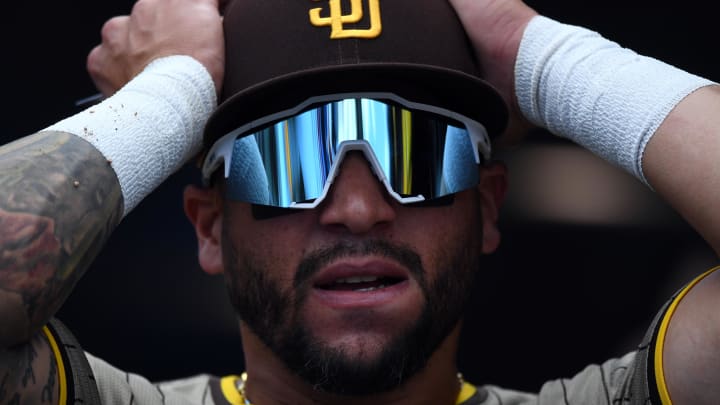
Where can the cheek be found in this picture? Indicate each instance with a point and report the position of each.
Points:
(444, 235)
(275, 244)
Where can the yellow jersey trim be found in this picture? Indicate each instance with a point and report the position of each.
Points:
(228, 385)
(466, 392)
(660, 344)
(62, 378)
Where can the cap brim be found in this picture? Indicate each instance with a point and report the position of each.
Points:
(450, 89)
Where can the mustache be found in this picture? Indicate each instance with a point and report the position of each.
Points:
(316, 260)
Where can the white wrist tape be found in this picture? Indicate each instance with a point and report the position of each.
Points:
(151, 126)
(584, 87)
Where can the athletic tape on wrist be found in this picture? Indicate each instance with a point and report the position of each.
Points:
(584, 87)
(150, 127)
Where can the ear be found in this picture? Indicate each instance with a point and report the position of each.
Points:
(492, 189)
(203, 208)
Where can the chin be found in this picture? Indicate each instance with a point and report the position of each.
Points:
(363, 348)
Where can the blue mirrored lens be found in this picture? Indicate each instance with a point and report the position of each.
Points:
(289, 161)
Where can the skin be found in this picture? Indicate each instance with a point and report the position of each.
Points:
(28, 374)
(685, 146)
(495, 29)
(60, 197)
(357, 208)
(129, 43)
(44, 253)
(59, 213)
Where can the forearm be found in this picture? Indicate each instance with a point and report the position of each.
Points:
(60, 201)
(647, 117)
(65, 189)
(681, 161)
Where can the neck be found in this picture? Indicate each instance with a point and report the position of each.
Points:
(269, 382)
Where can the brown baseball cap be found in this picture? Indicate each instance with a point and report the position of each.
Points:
(281, 52)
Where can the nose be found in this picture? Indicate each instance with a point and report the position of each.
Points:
(357, 201)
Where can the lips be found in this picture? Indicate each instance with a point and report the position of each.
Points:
(360, 274)
(360, 282)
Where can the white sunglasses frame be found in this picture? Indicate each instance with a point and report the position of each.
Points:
(222, 149)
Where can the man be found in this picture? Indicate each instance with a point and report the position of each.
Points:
(350, 290)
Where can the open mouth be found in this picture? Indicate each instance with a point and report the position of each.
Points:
(360, 283)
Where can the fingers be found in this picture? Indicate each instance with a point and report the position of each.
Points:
(107, 75)
(94, 68)
(154, 29)
(215, 3)
(115, 30)
(495, 29)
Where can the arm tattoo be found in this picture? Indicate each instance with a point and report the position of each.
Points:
(23, 369)
(59, 202)
(48, 390)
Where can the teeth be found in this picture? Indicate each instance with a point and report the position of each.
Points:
(358, 279)
(370, 288)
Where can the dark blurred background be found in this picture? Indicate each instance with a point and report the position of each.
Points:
(588, 256)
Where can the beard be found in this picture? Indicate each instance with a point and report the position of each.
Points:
(272, 314)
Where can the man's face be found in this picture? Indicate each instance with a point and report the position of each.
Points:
(355, 295)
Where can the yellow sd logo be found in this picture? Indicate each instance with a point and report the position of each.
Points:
(337, 19)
